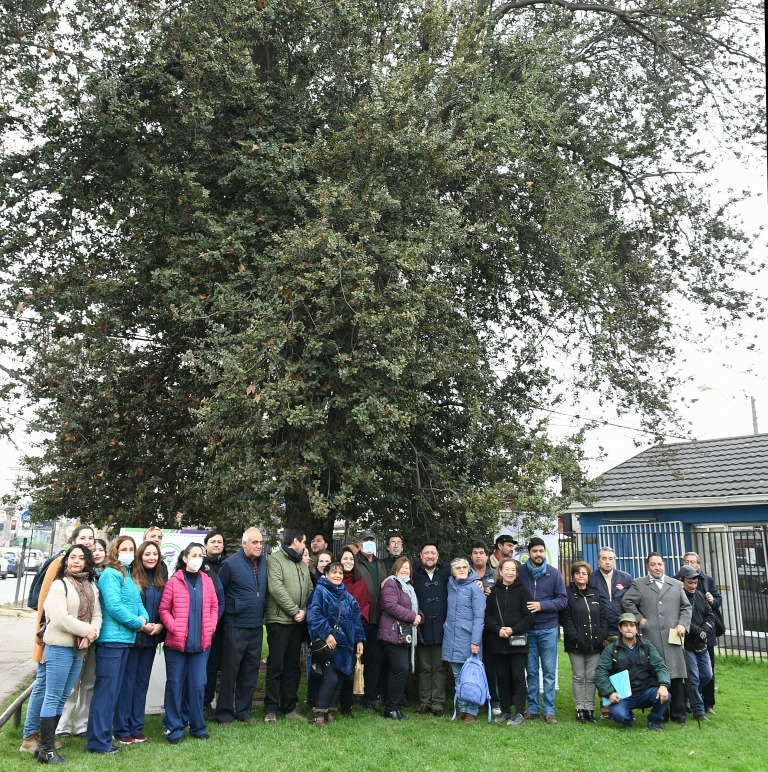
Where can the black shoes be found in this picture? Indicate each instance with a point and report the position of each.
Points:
(581, 716)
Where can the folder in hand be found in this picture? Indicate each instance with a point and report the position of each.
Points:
(620, 683)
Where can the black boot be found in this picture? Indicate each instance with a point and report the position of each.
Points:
(581, 716)
(590, 716)
(47, 753)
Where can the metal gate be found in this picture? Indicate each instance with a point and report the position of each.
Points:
(633, 542)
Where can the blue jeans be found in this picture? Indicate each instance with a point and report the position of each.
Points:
(542, 646)
(185, 674)
(62, 666)
(110, 669)
(129, 716)
(700, 671)
(464, 707)
(35, 703)
(622, 710)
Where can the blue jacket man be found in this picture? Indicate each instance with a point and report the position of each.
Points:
(547, 589)
(243, 578)
(610, 584)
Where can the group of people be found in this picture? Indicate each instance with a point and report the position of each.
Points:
(103, 610)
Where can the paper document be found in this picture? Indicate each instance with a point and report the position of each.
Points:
(620, 683)
(674, 637)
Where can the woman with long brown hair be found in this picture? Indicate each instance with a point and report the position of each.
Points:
(129, 716)
(73, 619)
(123, 616)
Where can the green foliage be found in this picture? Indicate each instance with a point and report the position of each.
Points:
(309, 261)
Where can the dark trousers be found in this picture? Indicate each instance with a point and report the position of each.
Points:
(129, 715)
(240, 662)
(213, 666)
(677, 700)
(399, 662)
(184, 686)
(490, 673)
(283, 667)
(708, 692)
(110, 669)
(330, 688)
(510, 675)
(371, 657)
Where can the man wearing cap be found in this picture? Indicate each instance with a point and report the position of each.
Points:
(648, 676)
(696, 655)
(660, 604)
(373, 572)
(547, 589)
(505, 546)
(708, 588)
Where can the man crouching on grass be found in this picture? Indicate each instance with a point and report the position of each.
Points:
(648, 676)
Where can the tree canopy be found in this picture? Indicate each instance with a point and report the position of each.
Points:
(307, 260)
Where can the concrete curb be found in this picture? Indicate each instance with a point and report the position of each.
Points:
(17, 612)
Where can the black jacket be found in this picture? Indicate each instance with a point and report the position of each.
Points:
(506, 606)
(374, 573)
(702, 622)
(583, 621)
(433, 601)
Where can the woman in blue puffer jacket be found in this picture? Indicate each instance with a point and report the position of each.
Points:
(333, 616)
(123, 615)
(463, 628)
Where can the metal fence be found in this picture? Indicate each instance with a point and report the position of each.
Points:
(735, 556)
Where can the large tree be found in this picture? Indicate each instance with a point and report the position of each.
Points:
(299, 261)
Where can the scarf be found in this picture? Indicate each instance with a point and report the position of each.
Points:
(537, 573)
(292, 554)
(85, 593)
(407, 588)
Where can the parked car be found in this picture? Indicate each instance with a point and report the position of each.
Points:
(13, 556)
(35, 559)
(3, 567)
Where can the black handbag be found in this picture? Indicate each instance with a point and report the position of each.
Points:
(321, 654)
(719, 622)
(514, 640)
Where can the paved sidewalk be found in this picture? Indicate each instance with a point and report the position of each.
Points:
(16, 665)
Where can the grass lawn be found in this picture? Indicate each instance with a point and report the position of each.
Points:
(735, 739)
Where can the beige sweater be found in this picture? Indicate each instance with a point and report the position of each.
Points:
(61, 612)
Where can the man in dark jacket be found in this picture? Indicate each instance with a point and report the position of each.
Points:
(648, 676)
(611, 584)
(708, 588)
(372, 570)
(697, 658)
(430, 581)
(547, 589)
(243, 577)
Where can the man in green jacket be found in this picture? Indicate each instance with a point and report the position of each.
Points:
(288, 589)
(648, 676)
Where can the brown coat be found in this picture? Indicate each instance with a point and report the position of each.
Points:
(37, 645)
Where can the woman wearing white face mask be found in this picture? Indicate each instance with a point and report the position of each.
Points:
(189, 610)
(123, 615)
(129, 716)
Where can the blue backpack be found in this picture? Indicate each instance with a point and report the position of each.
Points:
(472, 685)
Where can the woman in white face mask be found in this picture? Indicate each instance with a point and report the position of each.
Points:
(189, 610)
(123, 615)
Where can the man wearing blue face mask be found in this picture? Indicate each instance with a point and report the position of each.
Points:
(374, 572)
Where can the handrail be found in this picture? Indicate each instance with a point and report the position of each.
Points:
(14, 709)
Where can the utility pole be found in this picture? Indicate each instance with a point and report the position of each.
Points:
(754, 415)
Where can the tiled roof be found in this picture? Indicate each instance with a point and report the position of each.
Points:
(736, 466)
